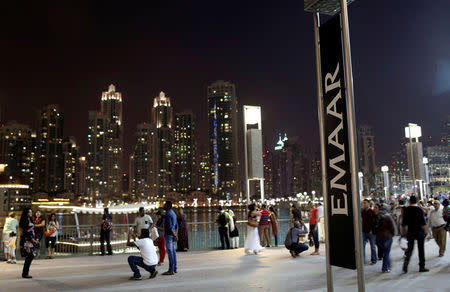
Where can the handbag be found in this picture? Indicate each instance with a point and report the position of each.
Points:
(49, 232)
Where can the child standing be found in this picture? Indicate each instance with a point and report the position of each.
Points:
(11, 245)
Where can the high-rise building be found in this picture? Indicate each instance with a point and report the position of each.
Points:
(143, 163)
(204, 172)
(185, 152)
(223, 133)
(50, 162)
(70, 154)
(81, 177)
(105, 147)
(366, 155)
(17, 151)
(282, 174)
(162, 118)
(268, 173)
(445, 132)
(439, 165)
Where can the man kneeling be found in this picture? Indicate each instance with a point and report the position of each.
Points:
(292, 239)
(148, 258)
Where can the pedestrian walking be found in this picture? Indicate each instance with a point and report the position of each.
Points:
(148, 258)
(292, 242)
(368, 223)
(39, 226)
(50, 235)
(233, 230)
(252, 243)
(413, 219)
(223, 219)
(384, 233)
(170, 237)
(105, 232)
(274, 224)
(183, 235)
(437, 224)
(27, 241)
(9, 237)
(263, 226)
(160, 241)
(143, 221)
(314, 227)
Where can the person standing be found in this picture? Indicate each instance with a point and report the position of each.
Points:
(384, 233)
(446, 214)
(437, 223)
(413, 218)
(160, 241)
(233, 230)
(105, 232)
(274, 224)
(313, 227)
(170, 236)
(296, 213)
(9, 228)
(39, 226)
(143, 221)
(321, 222)
(223, 219)
(148, 258)
(292, 239)
(252, 243)
(263, 227)
(368, 223)
(183, 235)
(51, 233)
(27, 241)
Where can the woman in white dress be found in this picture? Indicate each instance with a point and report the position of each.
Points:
(252, 244)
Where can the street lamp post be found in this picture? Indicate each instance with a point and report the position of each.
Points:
(427, 176)
(413, 131)
(385, 170)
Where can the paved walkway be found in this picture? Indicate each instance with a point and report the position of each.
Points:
(229, 270)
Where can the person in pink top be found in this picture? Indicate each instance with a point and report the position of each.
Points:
(314, 227)
(263, 227)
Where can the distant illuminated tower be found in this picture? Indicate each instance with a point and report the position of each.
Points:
(80, 179)
(268, 173)
(366, 154)
(105, 147)
(223, 130)
(50, 163)
(184, 151)
(162, 117)
(70, 155)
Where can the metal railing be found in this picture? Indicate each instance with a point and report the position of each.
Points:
(85, 239)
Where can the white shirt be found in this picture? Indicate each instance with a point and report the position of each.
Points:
(436, 218)
(143, 222)
(148, 251)
(320, 213)
(10, 225)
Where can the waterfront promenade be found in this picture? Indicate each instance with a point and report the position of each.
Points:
(229, 270)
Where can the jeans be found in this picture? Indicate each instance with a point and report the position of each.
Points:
(420, 237)
(276, 239)
(298, 247)
(105, 236)
(373, 252)
(26, 266)
(135, 261)
(223, 233)
(314, 235)
(171, 252)
(385, 245)
(264, 237)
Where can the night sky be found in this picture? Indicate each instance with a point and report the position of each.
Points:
(69, 53)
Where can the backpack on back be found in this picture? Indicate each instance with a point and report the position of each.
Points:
(222, 220)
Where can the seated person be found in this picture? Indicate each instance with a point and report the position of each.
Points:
(148, 258)
(292, 239)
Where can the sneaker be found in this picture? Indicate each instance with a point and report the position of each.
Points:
(136, 278)
(423, 270)
(152, 275)
(386, 272)
(13, 262)
(168, 273)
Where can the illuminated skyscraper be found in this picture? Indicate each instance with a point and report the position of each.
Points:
(70, 154)
(81, 177)
(184, 151)
(268, 173)
(105, 147)
(50, 162)
(162, 118)
(223, 130)
(366, 154)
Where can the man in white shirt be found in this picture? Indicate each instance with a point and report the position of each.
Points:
(148, 258)
(321, 222)
(437, 223)
(143, 221)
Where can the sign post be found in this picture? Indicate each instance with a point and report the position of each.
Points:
(338, 139)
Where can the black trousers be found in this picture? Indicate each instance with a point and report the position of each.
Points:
(26, 266)
(223, 232)
(420, 237)
(298, 247)
(105, 236)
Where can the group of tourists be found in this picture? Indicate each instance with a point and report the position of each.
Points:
(411, 220)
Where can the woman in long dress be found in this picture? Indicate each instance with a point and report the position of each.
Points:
(183, 236)
(274, 224)
(252, 244)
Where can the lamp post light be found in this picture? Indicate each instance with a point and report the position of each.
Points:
(413, 131)
(427, 176)
(361, 184)
(313, 195)
(385, 170)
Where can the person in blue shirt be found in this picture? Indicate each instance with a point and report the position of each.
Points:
(170, 236)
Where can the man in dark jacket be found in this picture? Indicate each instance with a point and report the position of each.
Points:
(368, 223)
(292, 240)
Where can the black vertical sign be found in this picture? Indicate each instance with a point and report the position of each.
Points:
(339, 189)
